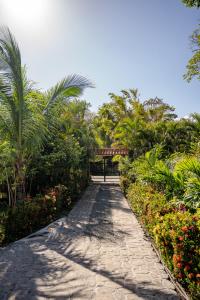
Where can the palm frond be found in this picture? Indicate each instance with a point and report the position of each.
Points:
(192, 193)
(72, 86)
(14, 84)
(5, 122)
(191, 165)
(7, 100)
(34, 133)
(10, 61)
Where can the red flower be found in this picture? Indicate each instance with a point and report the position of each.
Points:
(179, 265)
(191, 275)
(180, 275)
(184, 228)
(178, 257)
(181, 238)
(187, 268)
(191, 227)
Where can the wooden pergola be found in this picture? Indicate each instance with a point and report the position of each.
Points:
(109, 152)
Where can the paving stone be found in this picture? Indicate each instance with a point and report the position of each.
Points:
(99, 251)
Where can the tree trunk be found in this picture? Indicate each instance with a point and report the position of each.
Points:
(20, 180)
(11, 196)
(20, 190)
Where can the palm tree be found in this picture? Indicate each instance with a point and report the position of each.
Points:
(157, 110)
(23, 124)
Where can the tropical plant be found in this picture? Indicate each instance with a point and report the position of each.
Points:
(176, 233)
(193, 66)
(190, 169)
(23, 123)
(127, 122)
(157, 110)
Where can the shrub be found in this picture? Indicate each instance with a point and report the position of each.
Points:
(39, 211)
(61, 196)
(178, 176)
(178, 237)
(136, 196)
(124, 184)
(28, 217)
(176, 233)
(192, 193)
(35, 213)
(145, 201)
(2, 228)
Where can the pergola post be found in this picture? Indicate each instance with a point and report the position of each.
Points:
(104, 169)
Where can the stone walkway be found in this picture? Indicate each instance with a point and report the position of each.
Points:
(98, 252)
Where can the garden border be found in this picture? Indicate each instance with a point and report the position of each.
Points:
(180, 290)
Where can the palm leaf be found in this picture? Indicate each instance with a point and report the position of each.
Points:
(10, 61)
(72, 86)
(191, 165)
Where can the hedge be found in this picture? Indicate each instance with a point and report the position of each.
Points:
(34, 213)
(176, 233)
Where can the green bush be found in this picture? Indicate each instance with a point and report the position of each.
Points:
(3, 217)
(28, 217)
(148, 205)
(176, 233)
(176, 176)
(63, 197)
(124, 184)
(136, 196)
(37, 212)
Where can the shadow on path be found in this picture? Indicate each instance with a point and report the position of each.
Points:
(59, 267)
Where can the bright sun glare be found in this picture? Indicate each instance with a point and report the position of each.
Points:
(31, 13)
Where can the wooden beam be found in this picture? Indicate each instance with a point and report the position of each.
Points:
(111, 152)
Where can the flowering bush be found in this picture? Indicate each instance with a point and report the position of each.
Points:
(147, 203)
(175, 230)
(178, 237)
(60, 195)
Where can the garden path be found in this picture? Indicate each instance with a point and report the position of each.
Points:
(98, 252)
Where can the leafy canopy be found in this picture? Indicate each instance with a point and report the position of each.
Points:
(192, 3)
(193, 66)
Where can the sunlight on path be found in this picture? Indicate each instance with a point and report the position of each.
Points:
(108, 179)
(98, 252)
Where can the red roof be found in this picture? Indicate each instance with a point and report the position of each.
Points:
(111, 151)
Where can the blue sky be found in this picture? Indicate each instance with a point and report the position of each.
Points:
(118, 44)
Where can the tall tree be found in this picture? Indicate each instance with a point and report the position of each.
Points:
(193, 66)
(157, 110)
(24, 124)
